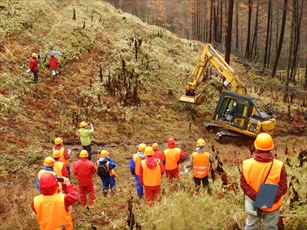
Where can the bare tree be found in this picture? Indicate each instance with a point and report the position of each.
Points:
(250, 10)
(268, 36)
(229, 31)
(281, 37)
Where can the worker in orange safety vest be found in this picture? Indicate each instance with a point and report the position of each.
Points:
(59, 167)
(48, 167)
(173, 157)
(135, 162)
(263, 168)
(151, 171)
(64, 153)
(52, 208)
(200, 161)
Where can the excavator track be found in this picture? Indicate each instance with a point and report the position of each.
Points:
(225, 136)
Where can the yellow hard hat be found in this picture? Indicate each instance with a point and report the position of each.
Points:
(49, 161)
(264, 142)
(83, 154)
(56, 153)
(201, 142)
(148, 151)
(104, 153)
(58, 140)
(142, 147)
(155, 146)
(34, 55)
(82, 124)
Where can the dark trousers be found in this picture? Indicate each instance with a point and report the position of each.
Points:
(89, 150)
(198, 181)
(35, 74)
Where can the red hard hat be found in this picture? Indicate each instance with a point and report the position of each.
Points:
(171, 143)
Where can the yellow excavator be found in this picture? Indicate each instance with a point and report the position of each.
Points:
(236, 113)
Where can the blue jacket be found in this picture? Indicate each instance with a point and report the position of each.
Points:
(112, 164)
(132, 163)
(37, 180)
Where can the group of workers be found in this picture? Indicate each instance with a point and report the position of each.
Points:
(148, 166)
(53, 181)
(34, 68)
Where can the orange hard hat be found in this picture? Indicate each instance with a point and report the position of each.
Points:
(155, 146)
(264, 142)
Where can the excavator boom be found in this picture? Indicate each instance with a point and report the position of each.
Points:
(210, 56)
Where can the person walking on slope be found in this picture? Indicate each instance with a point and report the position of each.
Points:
(173, 157)
(51, 208)
(34, 67)
(200, 162)
(85, 132)
(64, 153)
(106, 174)
(263, 168)
(157, 153)
(84, 170)
(54, 65)
(151, 171)
(59, 167)
(48, 167)
(135, 162)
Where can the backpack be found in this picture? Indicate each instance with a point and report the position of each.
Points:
(102, 170)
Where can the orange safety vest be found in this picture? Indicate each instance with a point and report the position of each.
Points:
(112, 173)
(51, 212)
(201, 164)
(255, 173)
(151, 177)
(40, 173)
(62, 158)
(137, 161)
(172, 157)
(58, 167)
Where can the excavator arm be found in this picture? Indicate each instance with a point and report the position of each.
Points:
(210, 56)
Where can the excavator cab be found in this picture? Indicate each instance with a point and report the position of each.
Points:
(239, 113)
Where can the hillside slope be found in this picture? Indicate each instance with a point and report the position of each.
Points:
(116, 72)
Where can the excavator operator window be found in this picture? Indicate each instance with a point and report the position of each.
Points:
(240, 118)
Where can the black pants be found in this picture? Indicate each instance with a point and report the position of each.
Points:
(35, 74)
(89, 150)
(198, 181)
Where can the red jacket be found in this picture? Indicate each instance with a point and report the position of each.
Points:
(33, 64)
(160, 155)
(265, 156)
(84, 170)
(54, 63)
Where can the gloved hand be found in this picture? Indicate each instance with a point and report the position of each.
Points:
(186, 169)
